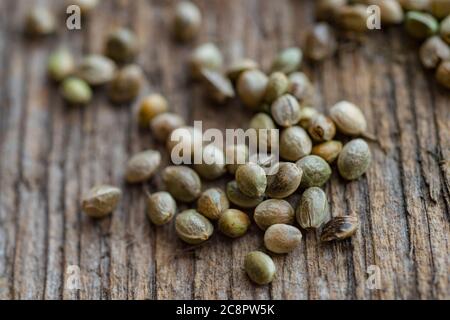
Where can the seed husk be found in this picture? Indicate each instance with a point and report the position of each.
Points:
(259, 267)
(96, 70)
(86, 6)
(183, 142)
(288, 60)
(239, 199)
(329, 151)
(205, 56)
(251, 88)
(285, 181)
(76, 91)
(40, 22)
(164, 124)
(445, 30)
(322, 128)
(286, 111)
(161, 208)
(326, 9)
(260, 122)
(219, 87)
(101, 201)
(316, 171)
(240, 66)
(301, 87)
(339, 228)
(142, 166)
(354, 159)
(213, 163)
(122, 45)
(236, 155)
(187, 21)
(182, 183)
(234, 223)
(320, 42)
(273, 211)
(306, 116)
(150, 107)
(313, 211)
(126, 85)
(192, 227)
(282, 238)
(212, 203)
(61, 65)
(295, 143)
(433, 51)
(348, 118)
(421, 25)
(440, 8)
(277, 85)
(443, 74)
(251, 180)
(353, 17)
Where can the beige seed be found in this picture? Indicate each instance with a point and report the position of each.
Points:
(164, 124)
(212, 203)
(322, 128)
(282, 238)
(161, 208)
(272, 212)
(251, 88)
(182, 183)
(251, 180)
(101, 201)
(142, 166)
(192, 227)
(285, 181)
(259, 267)
(286, 111)
(348, 118)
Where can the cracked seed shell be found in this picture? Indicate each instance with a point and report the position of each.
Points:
(339, 228)
(322, 128)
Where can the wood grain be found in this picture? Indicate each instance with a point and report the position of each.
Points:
(51, 154)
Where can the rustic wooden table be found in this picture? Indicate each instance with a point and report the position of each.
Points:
(51, 154)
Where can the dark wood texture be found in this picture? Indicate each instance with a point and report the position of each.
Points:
(51, 154)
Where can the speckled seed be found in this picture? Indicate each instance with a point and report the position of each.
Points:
(421, 25)
(164, 124)
(236, 155)
(183, 142)
(320, 42)
(286, 111)
(440, 8)
(240, 66)
(142, 166)
(433, 51)
(205, 56)
(354, 159)
(353, 17)
(182, 182)
(239, 199)
(288, 60)
(326, 9)
(212, 203)
(282, 238)
(126, 85)
(161, 208)
(348, 118)
(285, 181)
(122, 45)
(218, 86)
(295, 143)
(101, 201)
(277, 86)
(322, 128)
(192, 227)
(251, 180)
(86, 6)
(150, 107)
(445, 30)
(96, 70)
(60, 65)
(76, 91)
(187, 20)
(262, 122)
(301, 87)
(213, 163)
(272, 212)
(313, 211)
(306, 116)
(259, 267)
(251, 88)
(339, 228)
(40, 22)
(329, 151)
(316, 171)
(234, 223)
(443, 74)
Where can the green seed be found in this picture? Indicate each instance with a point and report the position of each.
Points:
(339, 228)
(61, 65)
(212, 203)
(187, 20)
(234, 223)
(251, 88)
(272, 212)
(282, 238)
(239, 199)
(354, 159)
(277, 85)
(316, 171)
(288, 60)
(312, 211)
(286, 111)
(206, 56)
(101, 201)
(259, 267)
(192, 227)
(421, 25)
(161, 208)
(182, 183)
(329, 151)
(285, 181)
(76, 91)
(122, 45)
(251, 180)
(96, 70)
(126, 85)
(142, 166)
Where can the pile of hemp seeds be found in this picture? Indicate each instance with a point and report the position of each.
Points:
(282, 98)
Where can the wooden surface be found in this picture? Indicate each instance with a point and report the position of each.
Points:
(50, 155)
